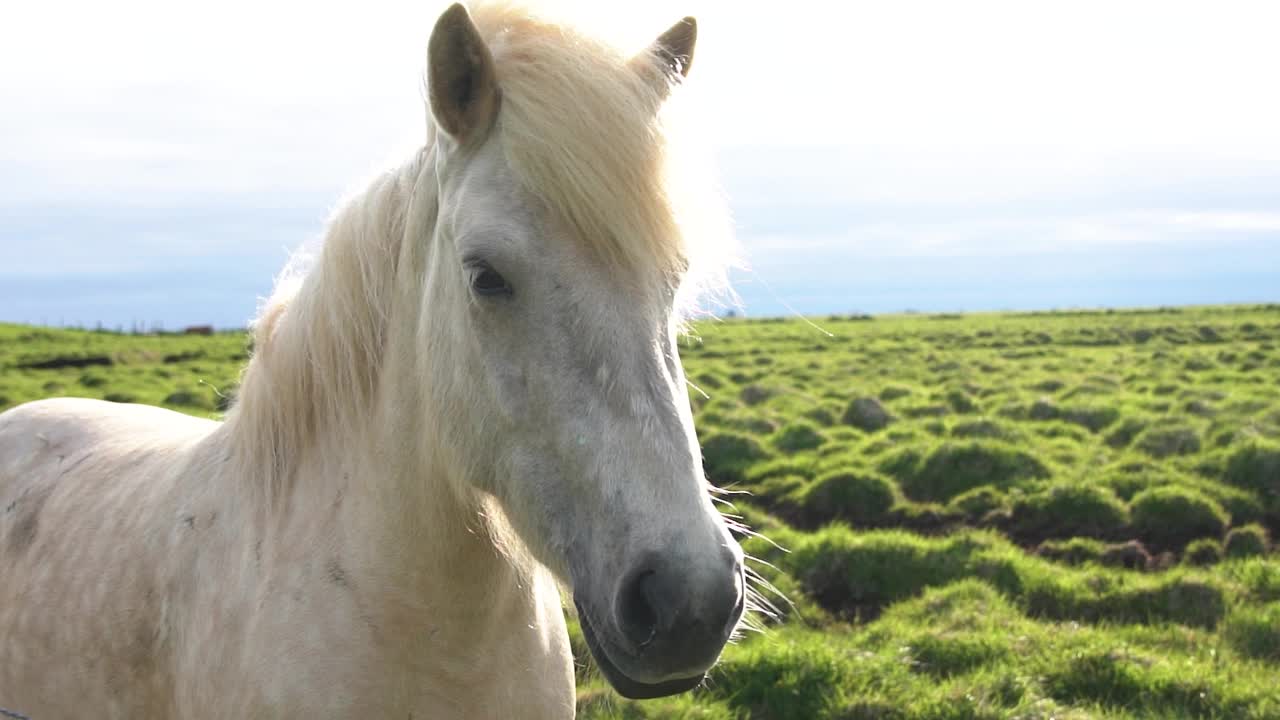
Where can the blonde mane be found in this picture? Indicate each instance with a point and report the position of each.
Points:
(319, 340)
(593, 128)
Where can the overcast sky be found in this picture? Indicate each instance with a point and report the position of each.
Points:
(159, 159)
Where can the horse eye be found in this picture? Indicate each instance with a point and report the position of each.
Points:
(489, 282)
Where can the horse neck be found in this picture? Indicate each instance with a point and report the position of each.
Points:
(420, 491)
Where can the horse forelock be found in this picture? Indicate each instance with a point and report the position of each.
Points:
(591, 126)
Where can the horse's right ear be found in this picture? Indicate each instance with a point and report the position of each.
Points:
(671, 55)
(461, 84)
(675, 46)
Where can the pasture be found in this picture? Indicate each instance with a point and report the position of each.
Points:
(1047, 515)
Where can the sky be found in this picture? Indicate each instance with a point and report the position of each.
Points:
(159, 160)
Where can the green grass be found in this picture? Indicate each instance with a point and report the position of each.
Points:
(1043, 515)
(192, 374)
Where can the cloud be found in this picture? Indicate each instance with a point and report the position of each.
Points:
(981, 101)
(1116, 232)
(1228, 221)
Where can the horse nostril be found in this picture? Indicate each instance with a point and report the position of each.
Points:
(636, 613)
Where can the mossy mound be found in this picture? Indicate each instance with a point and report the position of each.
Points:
(1095, 418)
(190, 399)
(978, 503)
(755, 394)
(1067, 510)
(92, 380)
(798, 437)
(748, 423)
(1247, 541)
(761, 471)
(893, 392)
(1131, 555)
(1162, 442)
(860, 497)
(1043, 409)
(1076, 551)
(787, 682)
(1256, 467)
(726, 455)
(1173, 516)
(945, 656)
(1203, 552)
(954, 467)
(1123, 434)
(823, 416)
(961, 402)
(866, 414)
(984, 428)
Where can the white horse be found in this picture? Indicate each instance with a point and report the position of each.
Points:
(471, 397)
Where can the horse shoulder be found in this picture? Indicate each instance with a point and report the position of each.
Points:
(84, 489)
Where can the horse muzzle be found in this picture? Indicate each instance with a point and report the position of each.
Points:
(664, 628)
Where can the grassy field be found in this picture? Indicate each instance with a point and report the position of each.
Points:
(1064, 515)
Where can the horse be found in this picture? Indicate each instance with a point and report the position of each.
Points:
(467, 402)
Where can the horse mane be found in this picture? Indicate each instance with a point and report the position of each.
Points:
(584, 125)
(319, 339)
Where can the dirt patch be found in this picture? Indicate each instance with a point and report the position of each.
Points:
(71, 361)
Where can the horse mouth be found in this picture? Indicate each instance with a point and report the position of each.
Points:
(624, 685)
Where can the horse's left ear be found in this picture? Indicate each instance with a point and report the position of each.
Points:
(673, 49)
(461, 83)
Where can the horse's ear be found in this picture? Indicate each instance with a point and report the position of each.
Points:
(673, 49)
(461, 84)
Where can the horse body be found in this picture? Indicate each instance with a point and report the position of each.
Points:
(471, 399)
(135, 573)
